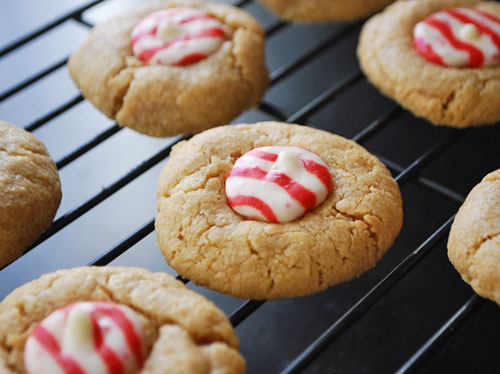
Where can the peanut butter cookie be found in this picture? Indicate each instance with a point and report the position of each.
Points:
(104, 319)
(173, 67)
(30, 190)
(288, 242)
(474, 242)
(324, 10)
(438, 58)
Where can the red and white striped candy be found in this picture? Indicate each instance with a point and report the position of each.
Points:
(277, 184)
(459, 37)
(177, 36)
(86, 337)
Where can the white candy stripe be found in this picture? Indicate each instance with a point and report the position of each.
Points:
(251, 161)
(484, 43)
(177, 36)
(46, 364)
(432, 38)
(270, 193)
(284, 181)
(177, 51)
(250, 212)
(494, 26)
(450, 55)
(301, 176)
(300, 153)
(76, 345)
(150, 22)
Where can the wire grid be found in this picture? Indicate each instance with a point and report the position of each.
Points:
(403, 176)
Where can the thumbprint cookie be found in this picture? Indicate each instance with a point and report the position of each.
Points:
(440, 59)
(274, 210)
(173, 67)
(100, 320)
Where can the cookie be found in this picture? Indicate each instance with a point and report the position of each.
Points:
(173, 67)
(474, 241)
(120, 320)
(324, 10)
(437, 58)
(205, 240)
(30, 190)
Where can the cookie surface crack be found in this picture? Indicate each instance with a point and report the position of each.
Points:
(119, 99)
(448, 100)
(487, 238)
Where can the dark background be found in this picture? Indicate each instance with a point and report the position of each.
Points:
(109, 178)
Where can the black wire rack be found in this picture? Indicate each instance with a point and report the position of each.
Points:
(411, 313)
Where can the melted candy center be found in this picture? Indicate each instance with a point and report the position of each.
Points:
(86, 338)
(277, 184)
(459, 37)
(177, 36)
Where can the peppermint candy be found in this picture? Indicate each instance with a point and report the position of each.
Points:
(177, 36)
(277, 184)
(86, 337)
(459, 37)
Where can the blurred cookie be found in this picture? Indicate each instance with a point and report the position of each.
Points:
(30, 190)
(104, 319)
(307, 244)
(440, 59)
(173, 67)
(474, 241)
(324, 10)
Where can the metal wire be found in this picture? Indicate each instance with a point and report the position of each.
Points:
(106, 192)
(444, 332)
(33, 79)
(98, 139)
(121, 247)
(338, 327)
(49, 26)
(54, 113)
(366, 302)
(293, 65)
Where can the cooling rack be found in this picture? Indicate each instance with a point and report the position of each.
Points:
(411, 313)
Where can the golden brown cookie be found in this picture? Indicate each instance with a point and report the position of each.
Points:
(324, 10)
(163, 100)
(452, 96)
(185, 333)
(474, 242)
(206, 241)
(30, 190)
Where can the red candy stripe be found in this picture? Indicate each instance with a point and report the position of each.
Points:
(263, 155)
(145, 34)
(190, 59)
(427, 50)
(172, 12)
(148, 53)
(196, 18)
(47, 341)
(256, 203)
(445, 49)
(482, 27)
(320, 171)
(128, 330)
(280, 191)
(476, 55)
(491, 17)
(299, 193)
(109, 357)
(111, 360)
